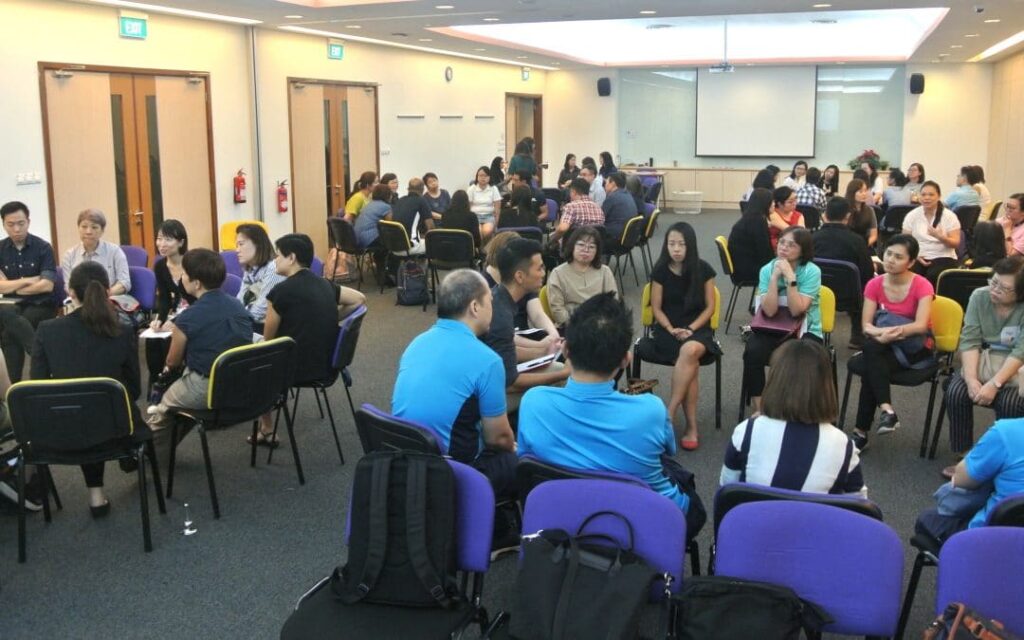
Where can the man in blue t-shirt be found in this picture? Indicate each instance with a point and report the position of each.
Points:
(588, 425)
(452, 382)
(213, 324)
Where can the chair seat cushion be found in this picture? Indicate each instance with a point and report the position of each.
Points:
(923, 541)
(901, 377)
(324, 617)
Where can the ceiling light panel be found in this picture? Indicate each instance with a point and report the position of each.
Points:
(156, 8)
(327, 4)
(788, 37)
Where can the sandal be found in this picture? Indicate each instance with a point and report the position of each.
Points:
(265, 440)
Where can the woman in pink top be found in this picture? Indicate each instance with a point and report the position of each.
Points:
(900, 292)
(784, 214)
(1013, 224)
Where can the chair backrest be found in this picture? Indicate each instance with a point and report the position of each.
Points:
(968, 215)
(659, 527)
(653, 192)
(250, 379)
(850, 565)
(136, 256)
(647, 312)
(959, 284)
(991, 212)
(723, 255)
(380, 431)
(531, 233)
(947, 320)
(737, 493)
(450, 248)
(69, 415)
(531, 471)
(317, 267)
(893, 220)
(632, 232)
(812, 217)
(474, 518)
(348, 338)
(231, 263)
(143, 287)
(343, 235)
(59, 293)
(843, 278)
(827, 306)
(544, 303)
(394, 237)
(552, 210)
(652, 221)
(1008, 512)
(232, 284)
(982, 568)
(229, 231)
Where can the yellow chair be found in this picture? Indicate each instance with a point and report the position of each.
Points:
(229, 232)
(947, 319)
(991, 212)
(647, 317)
(727, 267)
(827, 305)
(544, 302)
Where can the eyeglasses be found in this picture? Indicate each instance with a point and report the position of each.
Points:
(998, 287)
(788, 244)
(586, 246)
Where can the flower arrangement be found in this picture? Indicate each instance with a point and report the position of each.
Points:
(871, 157)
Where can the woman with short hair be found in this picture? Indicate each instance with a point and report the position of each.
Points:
(580, 277)
(485, 202)
(437, 198)
(256, 256)
(171, 297)
(784, 214)
(91, 225)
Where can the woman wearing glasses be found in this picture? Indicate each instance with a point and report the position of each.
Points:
(580, 277)
(1012, 220)
(992, 323)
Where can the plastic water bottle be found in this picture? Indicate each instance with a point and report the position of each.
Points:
(189, 529)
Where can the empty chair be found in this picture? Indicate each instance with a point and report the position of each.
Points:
(136, 256)
(651, 214)
(959, 284)
(143, 287)
(231, 264)
(631, 236)
(343, 240)
(849, 564)
(982, 568)
(317, 266)
(448, 249)
(812, 217)
(737, 283)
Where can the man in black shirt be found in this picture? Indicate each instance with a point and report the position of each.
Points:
(27, 275)
(836, 241)
(540, 201)
(414, 214)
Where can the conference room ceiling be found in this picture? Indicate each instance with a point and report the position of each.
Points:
(645, 32)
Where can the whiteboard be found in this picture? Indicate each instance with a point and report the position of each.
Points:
(757, 111)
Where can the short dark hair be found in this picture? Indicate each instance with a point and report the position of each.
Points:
(599, 334)
(804, 239)
(780, 195)
(13, 207)
(898, 177)
(970, 173)
(799, 386)
(174, 229)
(578, 234)
(296, 244)
(457, 290)
(1012, 266)
(428, 175)
(773, 169)
(205, 267)
(838, 208)
(764, 179)
(525, 176)
(580, 186)
(618, 178)
(516, 256)
(258, 236)
(381, 192)
(814, 175)
(907, 241)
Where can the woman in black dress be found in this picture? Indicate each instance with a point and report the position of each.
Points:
(683, 301)
(171, 298)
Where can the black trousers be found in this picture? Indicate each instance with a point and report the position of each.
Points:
(18, 324)
(500, 469)
(756, 356)
(938, 266)
(875, 388)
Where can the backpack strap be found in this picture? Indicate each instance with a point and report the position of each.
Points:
(378, 531)
(558, 623)
(745, 447)
(416, 530)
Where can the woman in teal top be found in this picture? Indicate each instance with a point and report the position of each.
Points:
(791, 280)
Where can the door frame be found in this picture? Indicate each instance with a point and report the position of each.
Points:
(43, 67)
(289, 81)
(538, 125)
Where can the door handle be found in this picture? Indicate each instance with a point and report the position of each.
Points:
(138, 217)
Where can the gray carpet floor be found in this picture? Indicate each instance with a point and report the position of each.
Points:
(239, 576)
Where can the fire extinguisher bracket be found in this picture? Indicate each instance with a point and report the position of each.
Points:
(239, 187)
(282, 196)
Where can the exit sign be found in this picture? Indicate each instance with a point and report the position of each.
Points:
(129, 27)
(335, 50)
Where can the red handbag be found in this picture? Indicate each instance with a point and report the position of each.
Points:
(782, 324)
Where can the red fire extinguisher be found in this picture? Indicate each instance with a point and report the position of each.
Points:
(239, 182)
(282, 196)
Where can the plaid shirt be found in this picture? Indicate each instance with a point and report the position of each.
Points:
(582, 213)
(811, 195)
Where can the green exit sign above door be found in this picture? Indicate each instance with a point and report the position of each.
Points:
(335, 50)
(129, 27)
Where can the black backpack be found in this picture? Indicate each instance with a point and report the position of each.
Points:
(402, 542)
(412, 285)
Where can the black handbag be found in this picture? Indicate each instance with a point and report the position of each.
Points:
(570, 588)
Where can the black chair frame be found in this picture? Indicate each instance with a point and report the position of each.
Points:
(343, 238)
(448, 249)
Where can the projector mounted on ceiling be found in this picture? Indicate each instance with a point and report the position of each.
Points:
(721, 67)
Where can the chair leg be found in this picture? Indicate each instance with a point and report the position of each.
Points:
(938, 428)
(44, 472)
(350, 404)
(846, 399)
(632, 265)
(147, 536)
(252, 443)
(729, 309)
(295, 447)
(21, 508)
(209, 469)
(172, 454)
(319, 406)
(743, 401)
(750, 303)
(635, 370)
(908, 599)
(334, 428)
(928, 417)
(157, 486)
(277, 423)
(693, 550)
(718, 393)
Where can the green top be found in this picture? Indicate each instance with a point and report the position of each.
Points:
(982, 325)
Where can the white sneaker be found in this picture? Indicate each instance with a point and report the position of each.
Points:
(10, 492)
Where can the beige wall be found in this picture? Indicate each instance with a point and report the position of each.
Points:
(576, 119)
(1004, 172)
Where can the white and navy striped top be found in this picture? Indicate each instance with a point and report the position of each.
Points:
(793, 455)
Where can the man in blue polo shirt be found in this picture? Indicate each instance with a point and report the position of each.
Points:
(453, 383)
(589, 425)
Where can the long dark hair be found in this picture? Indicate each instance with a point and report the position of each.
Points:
(606, 161)
(691, 263)
(170, 228)
(832, 184)
(568, 156)
(497, 175)
(460, 202)
(989, 244)
(90, 282)
(792, 174)
(759, 204)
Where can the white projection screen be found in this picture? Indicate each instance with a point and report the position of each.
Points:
(757, 111)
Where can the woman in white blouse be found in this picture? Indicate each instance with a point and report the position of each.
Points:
(91, 225)
(797, 177)
(937, 231)
(485, 202)
(256, 256)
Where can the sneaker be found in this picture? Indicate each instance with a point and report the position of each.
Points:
(888, 422)
(9, 490)
(859, 441)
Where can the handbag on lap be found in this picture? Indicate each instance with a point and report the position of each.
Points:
(960, 622)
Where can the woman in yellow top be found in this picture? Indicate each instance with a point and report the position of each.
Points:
(360, 195)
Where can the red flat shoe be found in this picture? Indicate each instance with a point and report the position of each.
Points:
(689, 445)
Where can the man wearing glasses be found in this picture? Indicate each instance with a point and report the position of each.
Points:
(581, 211)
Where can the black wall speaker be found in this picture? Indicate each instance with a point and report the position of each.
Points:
(604, 87)
(916, 83)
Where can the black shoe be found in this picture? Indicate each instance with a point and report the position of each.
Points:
(887, 422)
(101, 511)
(859, 441)
(506, 530)
(35, 489)
(856, 343)
(128, 465)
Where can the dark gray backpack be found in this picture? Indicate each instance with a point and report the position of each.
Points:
(412, 285)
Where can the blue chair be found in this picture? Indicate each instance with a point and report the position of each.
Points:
(552, 210)
(850, 565)
(137, 256)
(59, 292)
(231, 263)
(982, 568)
(143, 287)
(381, 431)
(317, 266)
(232, 284)
(658, 524)
(319, 614)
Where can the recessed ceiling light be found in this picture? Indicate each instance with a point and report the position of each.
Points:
(825, 21)
(648, 12)
(956, 46)
(425, 40)
(479, 49)
(992, 20)
(491, 19)
(521, 57)
(294, 17)
(999, 47)
(353, 26)
(444, 6)
(820, 6)
(971, 35)
(840, 63)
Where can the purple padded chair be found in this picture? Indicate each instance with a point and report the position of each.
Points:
(849, 564)
(552, 211)
(143, 287)
(380, 431)
(474, 526)
(658, 523)
(136, 256)
(231, 263)
(982, 568)
(317, 267)
(232, 284)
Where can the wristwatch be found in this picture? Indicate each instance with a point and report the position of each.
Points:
(792, 283)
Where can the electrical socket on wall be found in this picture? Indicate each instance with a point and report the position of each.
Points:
(29, 177)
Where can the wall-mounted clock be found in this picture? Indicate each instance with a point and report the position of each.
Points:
(448, 74)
